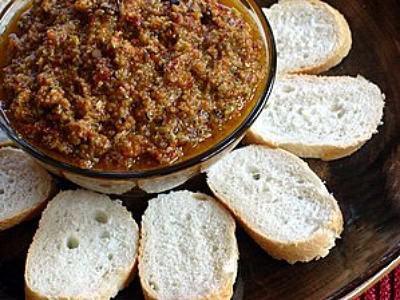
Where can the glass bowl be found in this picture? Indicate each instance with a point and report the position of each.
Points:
(159, 179)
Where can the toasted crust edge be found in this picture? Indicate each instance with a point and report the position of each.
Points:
(226, 291)
(316, 247)
(342, 49)
(32, 212)
(323, 152)
(32, 295)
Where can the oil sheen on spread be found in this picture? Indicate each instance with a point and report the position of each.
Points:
(129, 84)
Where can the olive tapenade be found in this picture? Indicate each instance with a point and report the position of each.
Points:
(128, 84)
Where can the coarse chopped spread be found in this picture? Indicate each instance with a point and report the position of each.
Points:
(118, 84)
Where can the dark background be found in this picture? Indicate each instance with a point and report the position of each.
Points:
(367, 186)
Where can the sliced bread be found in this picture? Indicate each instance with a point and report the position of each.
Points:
(319, 117)
(311, 36)
(25, 187)
(188, 248)
(279, 201)
(85, 248)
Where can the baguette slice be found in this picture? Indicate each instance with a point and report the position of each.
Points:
(25, 187)
(188, 248)
(319, 117)
(311, 36)
(85, 248)
(279, 201)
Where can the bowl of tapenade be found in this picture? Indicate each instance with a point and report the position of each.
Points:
(118, 94)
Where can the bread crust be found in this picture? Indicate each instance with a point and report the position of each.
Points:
(31, 212)
(323, 152)
(104, 294)
(316, 247)
(32, 295)
(7, 143)
(224, 293)
(343, 37)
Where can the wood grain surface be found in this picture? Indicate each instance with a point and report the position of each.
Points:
(367, 186)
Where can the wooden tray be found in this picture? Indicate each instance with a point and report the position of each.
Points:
(367, 186)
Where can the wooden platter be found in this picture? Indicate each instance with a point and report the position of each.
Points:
(367, 186)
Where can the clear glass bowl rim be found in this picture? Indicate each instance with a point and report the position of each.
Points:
(166, 170)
